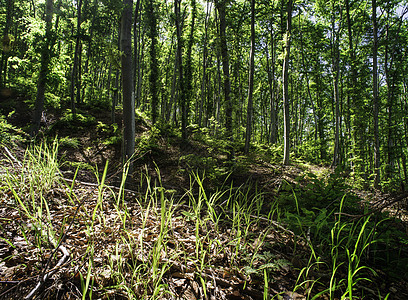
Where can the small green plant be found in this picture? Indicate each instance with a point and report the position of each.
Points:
(348, 244)
(74, 122)
(207, 166)
(8, 133)
(149, 141)
(69, 142)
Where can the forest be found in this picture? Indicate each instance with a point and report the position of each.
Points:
(194, 149)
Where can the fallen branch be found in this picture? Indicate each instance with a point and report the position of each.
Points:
(112, 187)
(44, 278)
(377, 209)
(11, 156)
(63, 259)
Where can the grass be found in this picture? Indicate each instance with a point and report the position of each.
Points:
(151, 244)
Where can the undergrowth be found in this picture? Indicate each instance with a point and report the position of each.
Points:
(154, 244)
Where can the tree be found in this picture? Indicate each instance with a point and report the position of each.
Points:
(6, 42)
(136, 58)
(127, 82)
(220, 5)
(189, 68)
(75, 80)
(182, 87)
(285, 79)
(48, 43)
(150, 16)
(273, 134)
(205, 62)
(375, 97)
(335, 43)
(251, 80)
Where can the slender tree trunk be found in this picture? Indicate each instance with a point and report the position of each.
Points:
(182, 87)
(309, 94)
(44, 69)
(79, 75)
(154, 65)
(140, 69)
(375, 98)
(188, 68)
(251, 81)
(336, 75)
(286, 104)
(204, 78)
(76, 54)
(136, 39)
(390, 89)
(127, 83)
(355, 101)
(220, 4)
(273, 134)
(115, 98)
(173, 86)
(6, 43)
(217, 96)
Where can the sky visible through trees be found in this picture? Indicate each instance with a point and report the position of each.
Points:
(190, 68)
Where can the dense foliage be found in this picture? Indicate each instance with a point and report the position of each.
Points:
(347, 101)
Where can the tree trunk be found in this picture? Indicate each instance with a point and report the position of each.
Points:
(86, 72)
(273, 134)
(336, 75)
(251, 81)
(182, 87)
(286, 115)
(44, 69)
(127, 83)
(154, 64)
(136, 39)
(220, 4)
(140, 70)
(204, 78)
(355, 101)
(375, 98)
(173, 87)
(74, 73)
(6, 43)
(189, 69)
(309, 94)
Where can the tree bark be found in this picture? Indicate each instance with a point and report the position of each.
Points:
(182, 86)
(273, 134)
(375, 98)
(357, 136)
(154, 68)
(127, 83)
(220, 5)
(76, 54)
(251, 81)
(286, 114)
(44, 69)
(336, 75)
(189, 69)
(136, 39)
(204, 76)
(94, 13)
(6, 43)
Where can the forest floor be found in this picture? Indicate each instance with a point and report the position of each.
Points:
(170, 233)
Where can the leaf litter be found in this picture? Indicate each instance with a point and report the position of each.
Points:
(78, 240)
(136, 247)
